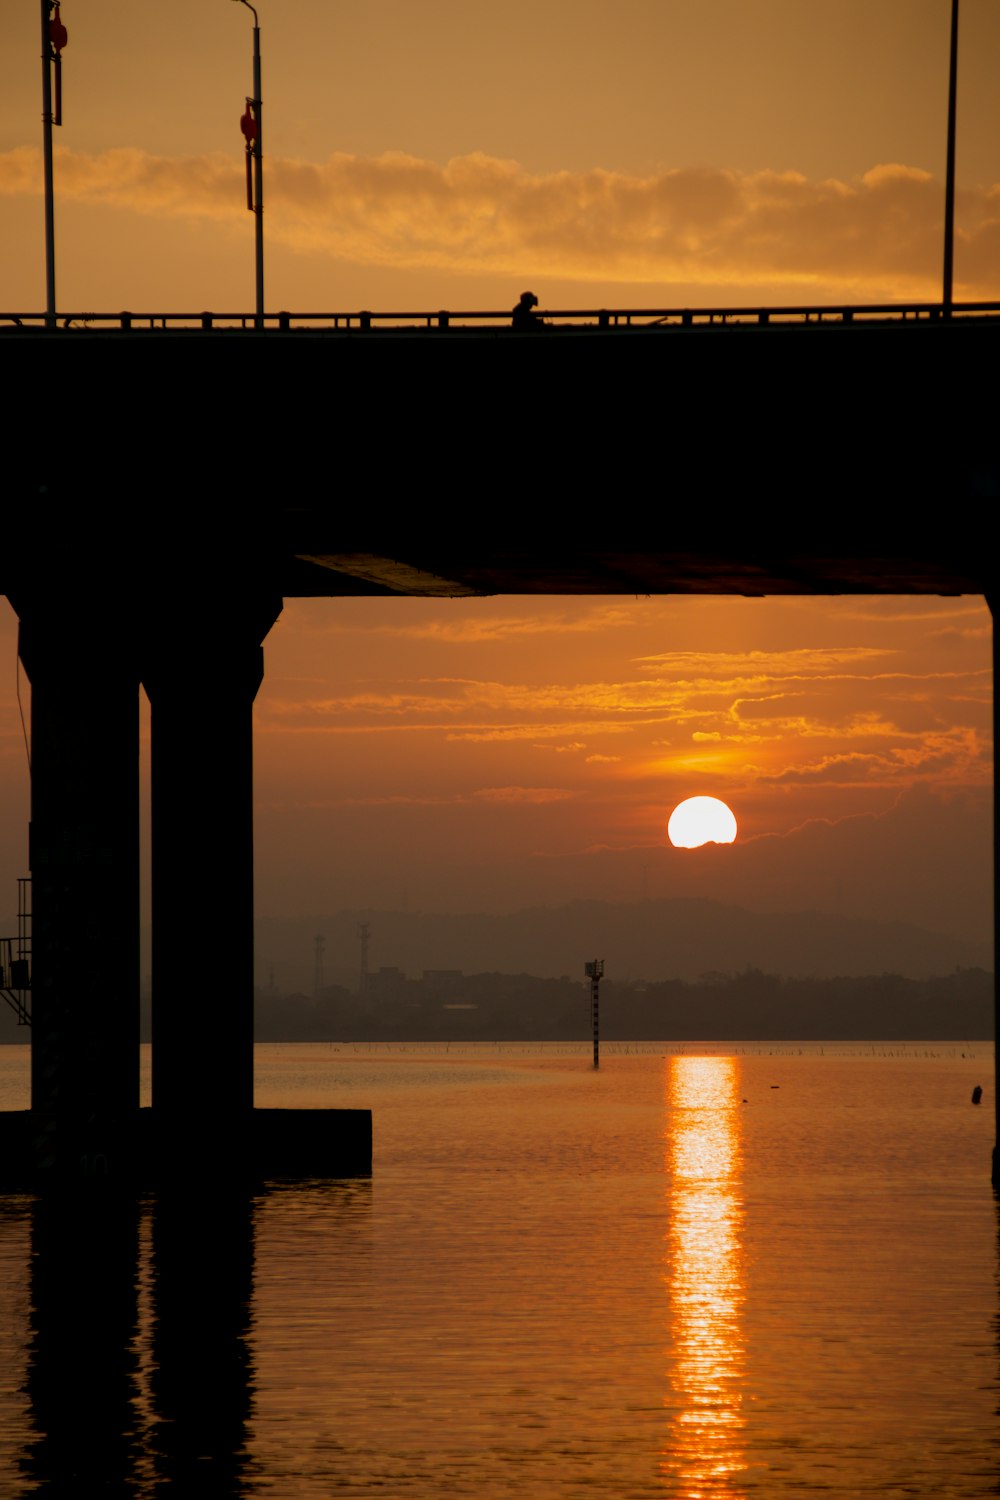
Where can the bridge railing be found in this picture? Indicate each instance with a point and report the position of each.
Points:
(444, 320)
(15, 979)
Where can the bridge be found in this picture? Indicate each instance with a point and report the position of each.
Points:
(165, 490)
(580, 321)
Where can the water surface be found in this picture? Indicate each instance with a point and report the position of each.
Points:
(702, 1272)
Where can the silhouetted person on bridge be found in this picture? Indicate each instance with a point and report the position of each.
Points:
(524, 318)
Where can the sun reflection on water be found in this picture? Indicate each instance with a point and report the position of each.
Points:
(704, 1277)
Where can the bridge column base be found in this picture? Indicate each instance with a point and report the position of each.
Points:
(153, 1152)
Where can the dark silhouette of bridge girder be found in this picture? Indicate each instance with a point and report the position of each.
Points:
(819, 459)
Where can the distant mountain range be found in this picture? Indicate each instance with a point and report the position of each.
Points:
(681, 938)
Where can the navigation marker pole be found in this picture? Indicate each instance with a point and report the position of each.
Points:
(595, 973)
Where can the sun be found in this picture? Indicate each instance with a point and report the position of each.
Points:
(701, 820)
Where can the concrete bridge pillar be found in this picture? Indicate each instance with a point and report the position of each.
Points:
(80, 658)
(202, 668)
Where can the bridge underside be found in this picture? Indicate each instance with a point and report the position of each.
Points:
(744, 460)
(162, 499)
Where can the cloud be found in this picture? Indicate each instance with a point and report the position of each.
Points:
(534, 732)
(474, 630)
(749, 666)
(956, 756)
(191, 186)
(889, 610)
(490, 794)
(329, 714)
(838, 769)
(463, 629)
(880, 233)
(523, 794)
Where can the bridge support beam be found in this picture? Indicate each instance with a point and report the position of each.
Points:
(202, 672)
(79, 657)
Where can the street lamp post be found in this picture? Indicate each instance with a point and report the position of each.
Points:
(253, 133)
(53, 41)
(949, 184)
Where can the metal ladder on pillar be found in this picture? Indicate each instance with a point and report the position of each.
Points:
(15, 958)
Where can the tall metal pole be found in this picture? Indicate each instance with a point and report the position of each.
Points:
(258, 173)
(257, 150)
(949, 186)
(47, 123)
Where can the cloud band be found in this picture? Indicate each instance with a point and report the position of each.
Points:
(709, 226)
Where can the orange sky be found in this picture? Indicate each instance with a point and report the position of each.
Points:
(654, 152)
(484, 754)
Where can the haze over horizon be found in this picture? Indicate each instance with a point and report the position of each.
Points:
(866, 866)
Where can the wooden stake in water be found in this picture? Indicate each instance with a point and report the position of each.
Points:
(595, 973)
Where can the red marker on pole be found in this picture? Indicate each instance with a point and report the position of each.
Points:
(248, 125)
(58, 36)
